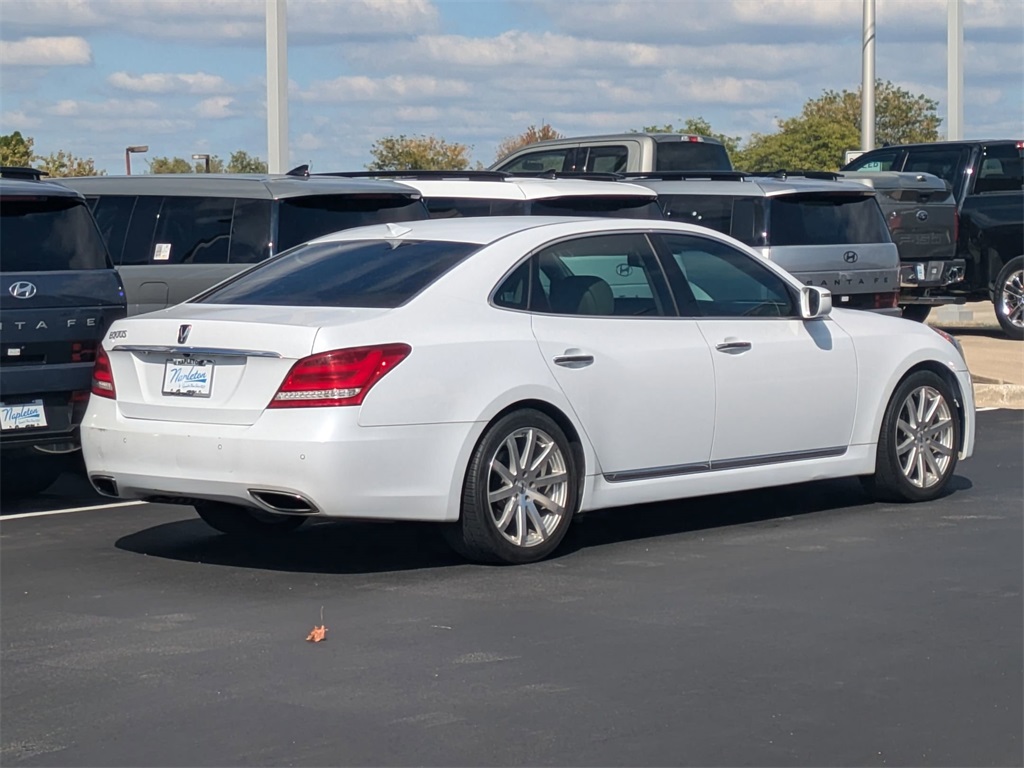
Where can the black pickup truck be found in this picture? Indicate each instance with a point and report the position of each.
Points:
(58, 294)
(987, 181)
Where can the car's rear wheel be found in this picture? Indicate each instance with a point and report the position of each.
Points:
(520, 491)
(918, 442)
(916, 312)
(246, 523)
(1009, 298)
(29, 473)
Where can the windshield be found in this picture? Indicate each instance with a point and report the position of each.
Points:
(49, 234)
(305, 218)
(826, 220)
(691, 156)
(617, 207)
(359, 273)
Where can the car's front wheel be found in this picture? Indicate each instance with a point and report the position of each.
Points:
(520, 491)
(1009, 298)
(246, 523)
(918, 442)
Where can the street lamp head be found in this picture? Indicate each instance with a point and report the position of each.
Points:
(199, 157)
(138, 148)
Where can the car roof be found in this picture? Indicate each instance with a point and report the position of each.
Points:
(753, 186)
(940, 144)
(525, 188)
(482, 230)
(26, 187)
(658, 137)
(244, 185)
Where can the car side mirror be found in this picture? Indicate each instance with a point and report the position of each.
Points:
(814, 302)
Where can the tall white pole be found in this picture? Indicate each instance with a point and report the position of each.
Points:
(867, 80)
(277, 86)
(955, 69)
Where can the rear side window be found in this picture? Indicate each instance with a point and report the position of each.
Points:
(250, 232)
(610, 159)
(691, 156)
(49, 234)
(362, 273)
(454, 207)
(193, 230)
(825, 220)
(739, 217)
(610, 206)
(113, 212)
(305, 218)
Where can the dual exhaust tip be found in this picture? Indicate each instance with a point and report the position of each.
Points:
(274, 501)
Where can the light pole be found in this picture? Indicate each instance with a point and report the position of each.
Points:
(867, 80)
(205, 159)
(277, 85)
(954, 70)
(128, 152)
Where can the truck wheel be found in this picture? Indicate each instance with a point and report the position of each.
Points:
(1009, 298)
(916, 312)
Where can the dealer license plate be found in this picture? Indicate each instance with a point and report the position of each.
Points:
(22, 416)
(188, 377)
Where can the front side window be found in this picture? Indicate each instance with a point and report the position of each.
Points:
(604, 206)
(193, 230)
(49, 234)
(825, 220)
(542, 160)
(602, 275)
(360, 273)
(725, 282)
(305, 218)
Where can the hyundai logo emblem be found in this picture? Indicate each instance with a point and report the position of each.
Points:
(22, 290)
(922, 215)
(183, 332)
(850, 256)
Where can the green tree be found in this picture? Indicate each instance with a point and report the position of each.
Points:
(16, 150)
(412, 153)
(171, 165)
(830, 125)
(63, 164)
(531, 135)
(242, 162)
(697, 126)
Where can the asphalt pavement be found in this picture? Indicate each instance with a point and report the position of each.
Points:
(795, 626)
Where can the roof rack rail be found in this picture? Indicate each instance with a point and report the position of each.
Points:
(468, 175)
(783, 174)
(16, 172)
(683, 175)
(553, 174)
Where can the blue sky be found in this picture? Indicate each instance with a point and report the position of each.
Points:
(184, 77)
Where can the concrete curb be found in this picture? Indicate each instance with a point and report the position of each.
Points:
(999, 395)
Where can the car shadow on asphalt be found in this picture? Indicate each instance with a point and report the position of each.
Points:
(341, 547)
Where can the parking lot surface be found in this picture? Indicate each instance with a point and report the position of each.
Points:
(794, 626)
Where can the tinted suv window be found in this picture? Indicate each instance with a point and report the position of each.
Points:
(880, 160)
(944, 163)
(113, 212)
(193, 230)
(626, 207)
(454, 207)
(544, 160)
(46, 234)
(825, 220)
(739, 217)
(364, 273)
(690, 156)
(305, 218)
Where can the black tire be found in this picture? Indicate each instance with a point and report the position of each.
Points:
(29, 474)
(1009, 298)
(245, 523)
(916, 312)
(479, 534)
(892, 481)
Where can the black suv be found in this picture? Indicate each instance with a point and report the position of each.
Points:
(58, 294)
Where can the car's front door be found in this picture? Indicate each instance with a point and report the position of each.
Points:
(639, 378)
(786, 388)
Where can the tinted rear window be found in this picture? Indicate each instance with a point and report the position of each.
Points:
(306, 218)
(825, 220)
(737, 216)
(691, 156)
(48, 234)
(362, 273)
(625, 207)
(454, 207)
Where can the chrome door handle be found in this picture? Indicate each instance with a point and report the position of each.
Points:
(573, 361)
(733, 345)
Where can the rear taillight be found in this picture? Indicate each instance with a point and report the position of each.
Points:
(341, 377)
(103, 376)
(83, 351)
(887, 300)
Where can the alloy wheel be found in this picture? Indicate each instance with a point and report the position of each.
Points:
(924, 437)
(1011, 298)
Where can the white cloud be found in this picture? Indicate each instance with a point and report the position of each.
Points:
(216, 108)
(45, 52)
(154, 82)
(112, 108)
(17, 121)
(361, 88)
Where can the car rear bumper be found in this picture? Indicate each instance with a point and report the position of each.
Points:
(319, 454)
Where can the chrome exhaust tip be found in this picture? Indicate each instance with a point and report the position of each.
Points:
(283, 503)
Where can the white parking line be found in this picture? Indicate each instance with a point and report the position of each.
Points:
(44, 513)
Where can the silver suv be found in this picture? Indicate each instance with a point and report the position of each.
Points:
(826, 232)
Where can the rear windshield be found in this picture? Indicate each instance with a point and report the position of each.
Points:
(306, 218)
(691, 156)
(825, 220)
(624, 207)
(732, 215)
(49, 234)
(361, 273)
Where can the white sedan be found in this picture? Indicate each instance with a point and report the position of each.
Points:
(501, 375)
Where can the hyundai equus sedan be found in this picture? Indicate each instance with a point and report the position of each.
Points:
(501, 375)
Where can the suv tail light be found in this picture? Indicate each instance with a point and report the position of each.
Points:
(103, 376)
(887, 300)
(340, 377)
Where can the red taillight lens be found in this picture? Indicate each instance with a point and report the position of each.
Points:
(83, 351)
(103, 376)
(341, 377)
(887, 300)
